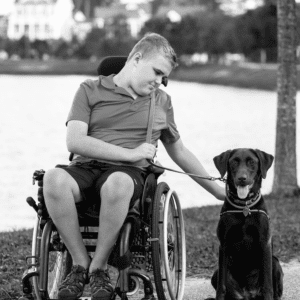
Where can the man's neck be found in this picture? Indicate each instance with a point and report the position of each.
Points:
(120, 81)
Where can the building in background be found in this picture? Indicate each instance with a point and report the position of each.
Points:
(41, 20)
(136, 14)
(3, 26)
(175, 12)
(82, 25)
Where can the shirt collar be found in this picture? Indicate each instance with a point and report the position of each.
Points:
(107, 82)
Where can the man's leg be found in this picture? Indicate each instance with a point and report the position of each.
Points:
(116, 194)
(61, 192)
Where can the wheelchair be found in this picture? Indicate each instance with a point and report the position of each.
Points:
(148, 260)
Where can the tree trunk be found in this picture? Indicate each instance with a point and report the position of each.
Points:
(285, 175)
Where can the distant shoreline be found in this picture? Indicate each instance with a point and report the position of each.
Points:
(253, 76)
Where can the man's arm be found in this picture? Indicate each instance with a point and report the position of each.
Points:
(80, 143)
(188, 162)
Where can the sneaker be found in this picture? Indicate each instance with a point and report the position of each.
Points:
(72, 287)
(101, 287)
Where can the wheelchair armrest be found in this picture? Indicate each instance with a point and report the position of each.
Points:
(156, 170)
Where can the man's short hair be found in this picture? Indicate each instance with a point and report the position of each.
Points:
(154, 43)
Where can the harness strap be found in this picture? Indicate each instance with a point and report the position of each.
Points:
(151, 118)
(249, 211)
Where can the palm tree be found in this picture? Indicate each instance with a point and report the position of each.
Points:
(285, 175)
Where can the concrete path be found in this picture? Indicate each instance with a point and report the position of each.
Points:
(200, 289)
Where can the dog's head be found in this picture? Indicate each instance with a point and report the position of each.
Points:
(245, 169)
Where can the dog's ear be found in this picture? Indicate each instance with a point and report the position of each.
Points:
(265, 160)
(221, 162)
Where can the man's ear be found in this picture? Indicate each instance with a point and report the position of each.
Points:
(221, 162)
(265, 161)
(137, 56)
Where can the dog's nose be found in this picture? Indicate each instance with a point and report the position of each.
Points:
(242, 178)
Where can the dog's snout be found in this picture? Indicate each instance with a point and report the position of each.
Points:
(242, 178)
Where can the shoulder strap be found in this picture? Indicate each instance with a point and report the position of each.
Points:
(151, 118)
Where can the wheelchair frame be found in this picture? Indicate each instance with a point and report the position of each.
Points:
(150, 247)
(160, 248)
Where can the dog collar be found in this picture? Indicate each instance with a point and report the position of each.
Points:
(254, 198)
(245, 208)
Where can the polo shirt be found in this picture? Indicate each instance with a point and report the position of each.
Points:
(115, 117)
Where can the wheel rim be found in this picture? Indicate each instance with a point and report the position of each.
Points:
(173, 246)
(36, 237)
(54, 262)
(168, 267)
(56, 272)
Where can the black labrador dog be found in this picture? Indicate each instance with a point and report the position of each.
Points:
(247, 267)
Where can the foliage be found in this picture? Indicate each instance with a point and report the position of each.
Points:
(214, 33)
(252, 34)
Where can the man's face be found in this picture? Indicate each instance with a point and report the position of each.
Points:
(148, 73)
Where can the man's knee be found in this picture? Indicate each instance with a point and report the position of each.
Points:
(58, 182)
(118, 186)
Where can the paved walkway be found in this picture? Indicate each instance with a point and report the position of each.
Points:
(200, 288)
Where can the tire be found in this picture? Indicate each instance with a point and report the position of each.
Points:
(55, 263)
(168, 244)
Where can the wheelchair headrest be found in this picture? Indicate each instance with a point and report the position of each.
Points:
(114, 64)
(111, 65)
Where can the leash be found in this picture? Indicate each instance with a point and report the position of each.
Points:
(189, 174)
(148, 140)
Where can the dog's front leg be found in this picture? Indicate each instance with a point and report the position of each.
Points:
(267, 282)
(222, 274)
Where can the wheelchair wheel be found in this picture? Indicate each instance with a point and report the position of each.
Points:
(168, 244)
(55, 264)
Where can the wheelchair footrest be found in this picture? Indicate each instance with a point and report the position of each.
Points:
(148, 286)
(26, 284)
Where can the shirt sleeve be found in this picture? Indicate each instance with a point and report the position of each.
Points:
(170, 134)
(80, 109)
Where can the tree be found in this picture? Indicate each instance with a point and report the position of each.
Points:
(93, 44)
(285, 175)
(118, 36)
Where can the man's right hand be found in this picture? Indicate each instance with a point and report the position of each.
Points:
(144, 151)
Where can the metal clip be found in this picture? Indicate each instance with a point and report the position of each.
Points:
(153, 239)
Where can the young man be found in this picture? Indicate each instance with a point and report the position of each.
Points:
(106, 129)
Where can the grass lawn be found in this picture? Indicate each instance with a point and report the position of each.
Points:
(201, 242)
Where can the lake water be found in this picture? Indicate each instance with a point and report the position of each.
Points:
(211, 119)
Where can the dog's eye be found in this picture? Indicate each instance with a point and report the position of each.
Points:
(251, 163)
(234, 163)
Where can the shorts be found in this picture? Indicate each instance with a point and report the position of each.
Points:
(90, 177)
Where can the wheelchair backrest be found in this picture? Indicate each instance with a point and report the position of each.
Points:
(111, 65)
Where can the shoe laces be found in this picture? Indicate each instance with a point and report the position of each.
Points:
(99, 277)
(77, 274)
